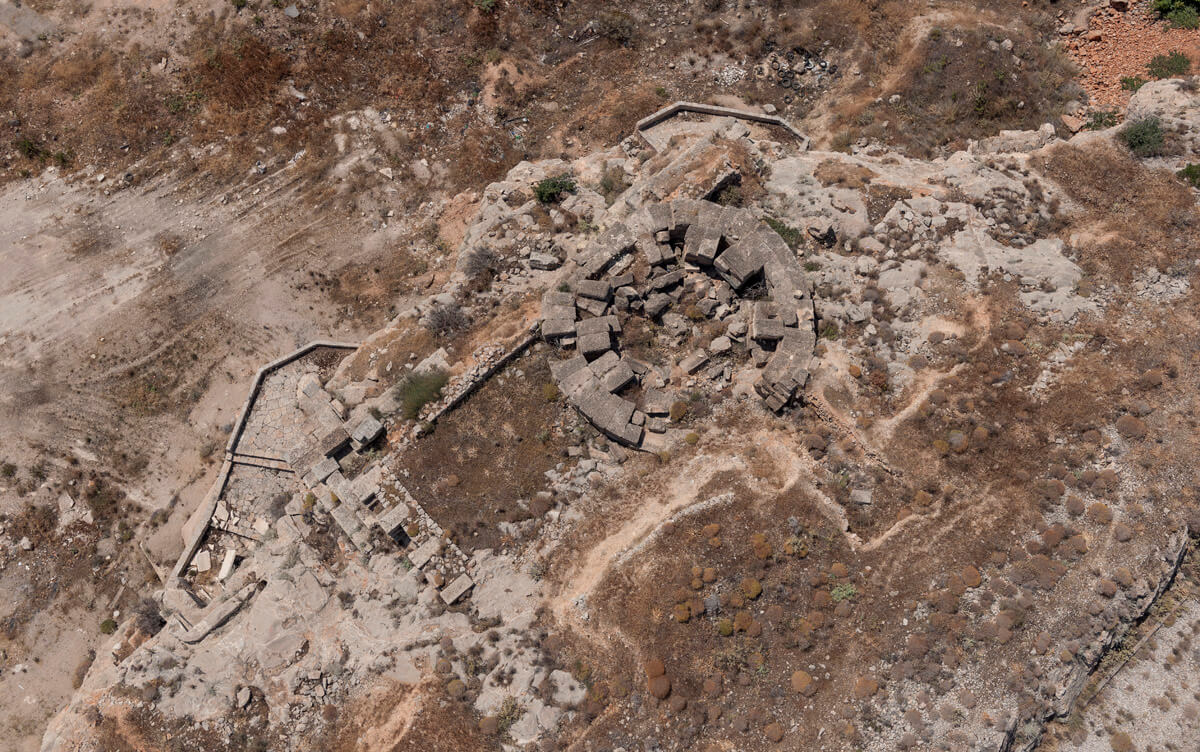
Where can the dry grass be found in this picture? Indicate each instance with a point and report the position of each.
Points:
(971, 90)
(1140, 215)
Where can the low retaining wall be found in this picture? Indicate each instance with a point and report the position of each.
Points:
(531, 336)
(672, 110)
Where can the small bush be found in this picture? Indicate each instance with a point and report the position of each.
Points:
(1101, 119)
(1132, 83)
(420, 389)
(445, 320)
(1190, 175)
(843, 592)
(612, 184)
(1144, 137)
(1184, 18)
(792, 236)
(692, 438)
(487, 6)
(678, 411)
(617, 26)
(550, 392)
(108, 626)
(731, 195)
(550, 190)
(1174, 63)
(479, 262)
(29, 149)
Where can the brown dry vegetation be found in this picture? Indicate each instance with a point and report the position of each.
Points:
(960, 88)
(486, 460)
(1132, 215)
(94, 102)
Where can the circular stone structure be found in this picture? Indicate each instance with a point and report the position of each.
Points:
(752, 283)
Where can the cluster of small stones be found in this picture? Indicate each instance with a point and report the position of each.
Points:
(678, 239)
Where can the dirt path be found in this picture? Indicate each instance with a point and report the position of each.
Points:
(681, 492)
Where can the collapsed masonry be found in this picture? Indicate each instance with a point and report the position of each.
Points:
(679, 240)
(296, 440)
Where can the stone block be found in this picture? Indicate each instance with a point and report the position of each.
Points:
(323, 469)
(561, 369)
(368, 430)
(621, 280)
(543, 262)
(202, 561)
(596, 289)
(424, 552)
(593, 306)
(694, 362)
(701, 244)
(663, 281)
(393, 519)
(594, 344)
(333, 440)
(618, 377)
(658, 218)
(227, 564)
(457, 589)
(605, 363)
(346, 519)
(598, 324)
(558, 328)
(656, 304)
(656, 402)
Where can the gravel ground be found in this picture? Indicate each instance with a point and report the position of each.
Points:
(1116, 45)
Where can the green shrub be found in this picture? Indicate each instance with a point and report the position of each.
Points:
(1179, 13)
(1101, 119)
(843, 592)
(420, 389)
(1184, 18)
(487, 6)
(731, 195)
(1190, 175)
(1132, 83)
(1144, 137)
(29, 149)
(108, 626)
(792, 236)
(551, 189)
(1174, 63)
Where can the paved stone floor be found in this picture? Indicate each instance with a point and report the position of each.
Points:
(275, 419)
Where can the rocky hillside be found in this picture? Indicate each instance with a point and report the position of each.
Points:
(978, 484)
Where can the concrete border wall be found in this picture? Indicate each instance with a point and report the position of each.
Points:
(672, 110)
(203, 514)
(265, 371)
